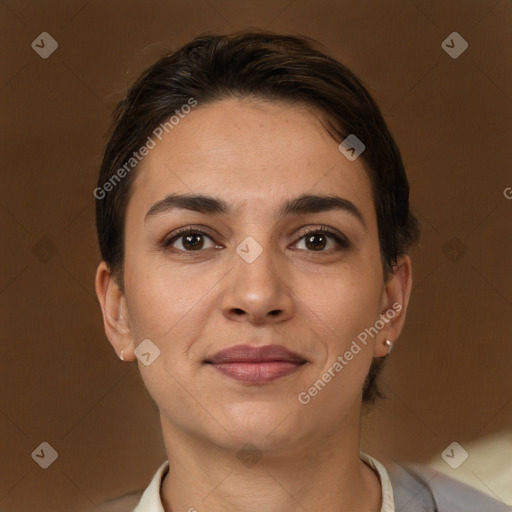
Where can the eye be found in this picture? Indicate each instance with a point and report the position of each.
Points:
(317, 240)
(190, 240)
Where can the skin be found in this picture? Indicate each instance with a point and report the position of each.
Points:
(255, 154)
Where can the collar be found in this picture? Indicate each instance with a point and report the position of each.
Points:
(151, 501)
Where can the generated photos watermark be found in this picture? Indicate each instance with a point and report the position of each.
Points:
(304, 397)
(133, 161)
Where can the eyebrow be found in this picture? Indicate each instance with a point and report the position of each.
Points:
(303, 204)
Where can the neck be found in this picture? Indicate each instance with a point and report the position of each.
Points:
(323, 475)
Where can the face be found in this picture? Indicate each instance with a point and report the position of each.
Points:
(251, 274)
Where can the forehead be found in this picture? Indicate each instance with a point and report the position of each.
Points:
(249, 152)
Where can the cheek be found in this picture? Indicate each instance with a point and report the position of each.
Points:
(165, 303)
(343, 300)
(348, 305)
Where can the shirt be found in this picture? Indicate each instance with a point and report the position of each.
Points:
(488, 468)
(151, 502)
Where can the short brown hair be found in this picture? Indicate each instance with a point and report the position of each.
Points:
(264, 65)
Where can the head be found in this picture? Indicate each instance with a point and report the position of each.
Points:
(252, 123)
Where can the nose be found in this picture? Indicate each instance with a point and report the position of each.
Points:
(257, 292)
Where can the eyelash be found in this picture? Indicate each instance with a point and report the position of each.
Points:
(342, 242)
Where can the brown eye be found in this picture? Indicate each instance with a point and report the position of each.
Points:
(193, 241)
(189, 240)
(318, 240)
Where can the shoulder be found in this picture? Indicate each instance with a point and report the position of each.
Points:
(420, 488)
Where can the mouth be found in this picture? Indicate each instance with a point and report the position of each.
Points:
(256, 365)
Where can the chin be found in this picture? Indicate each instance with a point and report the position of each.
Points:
(267, 426)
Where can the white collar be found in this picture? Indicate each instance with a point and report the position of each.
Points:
(151, 501)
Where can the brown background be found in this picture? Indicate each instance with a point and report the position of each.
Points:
(449, 376)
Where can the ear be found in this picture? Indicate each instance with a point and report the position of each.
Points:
(115, 313)
(394, 302)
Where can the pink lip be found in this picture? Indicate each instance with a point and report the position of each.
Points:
(256, 365)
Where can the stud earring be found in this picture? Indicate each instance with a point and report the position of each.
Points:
(390, 346)
(122, 355)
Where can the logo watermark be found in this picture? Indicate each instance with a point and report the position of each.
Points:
(351, 147)
(454, 45)
(454, 455)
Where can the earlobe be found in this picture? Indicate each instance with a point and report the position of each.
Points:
(395, 299)
(115, 315)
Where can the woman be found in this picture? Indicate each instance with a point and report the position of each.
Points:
(254, 225)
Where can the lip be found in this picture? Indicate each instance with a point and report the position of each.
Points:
(256, 365)
(252, 354)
